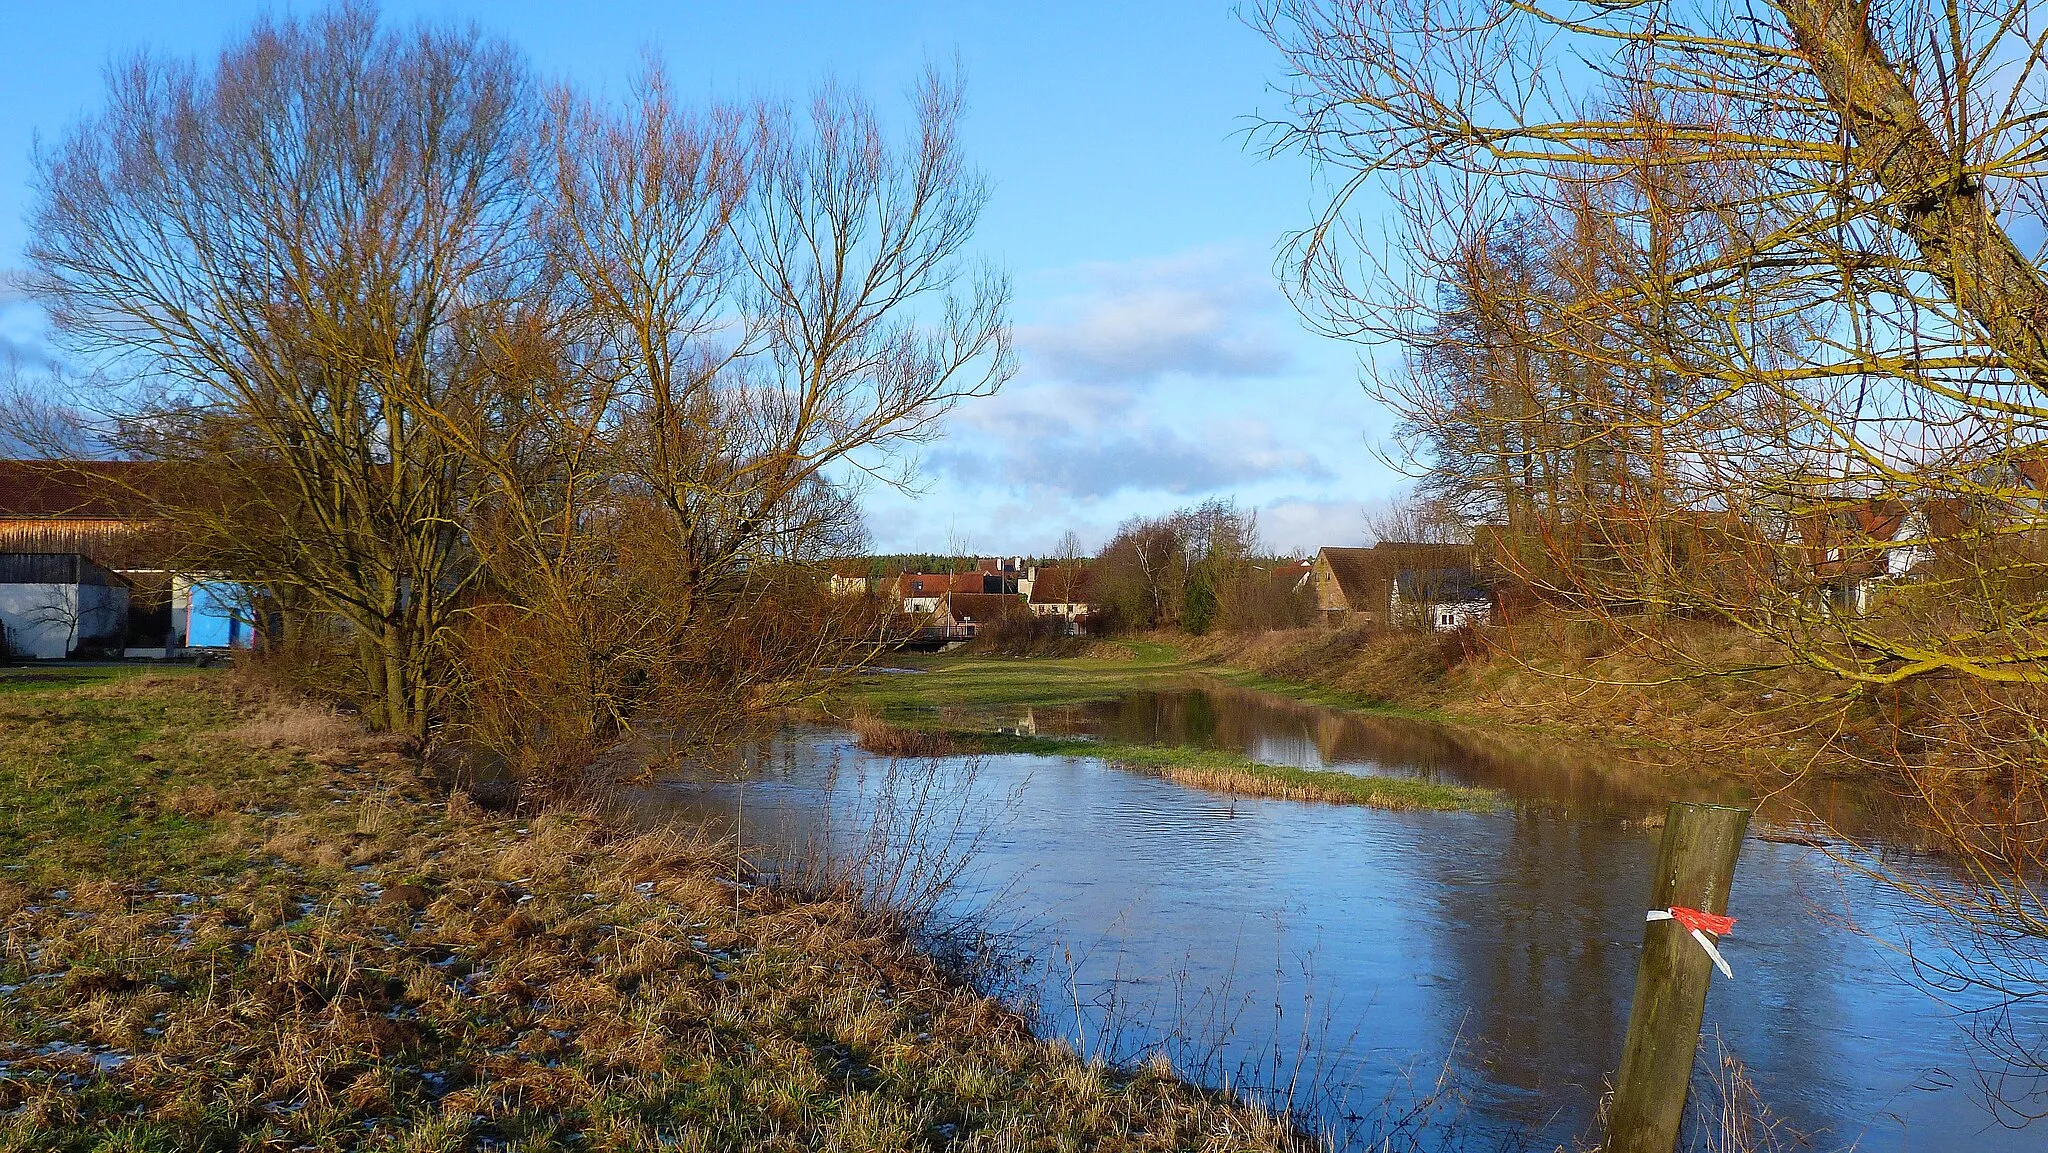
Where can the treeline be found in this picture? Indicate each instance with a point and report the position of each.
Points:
(1195, 569)
(519, 406)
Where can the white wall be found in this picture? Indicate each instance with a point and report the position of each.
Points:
(48, 621)
(38, 619)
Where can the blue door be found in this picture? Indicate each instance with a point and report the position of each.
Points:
(219, 617)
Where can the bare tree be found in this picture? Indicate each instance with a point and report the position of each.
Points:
(293, 262)
(761, 307)
(1794, 294)
(1803, 241)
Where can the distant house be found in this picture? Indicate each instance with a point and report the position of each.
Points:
(971, 611)
(1006, 573)
(922, 593)
(99, 509)
(1850, 550)
(843, 585)
(101, 512)
(1357, 585)
(1060, 590)
(211, 614)
(1439, 599)
(1295, 575)
(57, 605)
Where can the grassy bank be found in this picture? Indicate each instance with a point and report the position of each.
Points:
(974, 681)
(233, 922)
(1578, 684)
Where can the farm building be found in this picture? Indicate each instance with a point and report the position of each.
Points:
(57, 605)
(1358, 585)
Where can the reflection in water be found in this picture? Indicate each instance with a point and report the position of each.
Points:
(1276, 730)
(1506, 944)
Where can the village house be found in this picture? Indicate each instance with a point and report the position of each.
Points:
(1060, 590)
(1398, 583)
(57, 605)
(1439, 599)
(972, 611)
(1851, 550)
(922, 593)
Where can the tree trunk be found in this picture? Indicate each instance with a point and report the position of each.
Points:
(1940, 204)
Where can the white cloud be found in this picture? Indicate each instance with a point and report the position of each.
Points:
(1205, 314)
(1026, 449)
(1301, 526)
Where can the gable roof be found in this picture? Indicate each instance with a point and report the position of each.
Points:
(1850, 540)
(1063, 585)
(1364, 574)
(931, 584)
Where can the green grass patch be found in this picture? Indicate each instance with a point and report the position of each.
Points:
(967, 682)
(907, 714)
(1227, 772)
(89, 774)
(1212, 769)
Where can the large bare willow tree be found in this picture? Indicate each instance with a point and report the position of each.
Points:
(289, 260)
(542, 404)
(767, 304)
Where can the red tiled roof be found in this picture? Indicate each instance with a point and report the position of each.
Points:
(931, 584)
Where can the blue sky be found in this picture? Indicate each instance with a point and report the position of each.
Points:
(1159, 363)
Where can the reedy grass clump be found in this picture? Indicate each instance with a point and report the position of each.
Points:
(215, 937)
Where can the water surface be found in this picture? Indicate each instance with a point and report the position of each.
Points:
(1346, 956)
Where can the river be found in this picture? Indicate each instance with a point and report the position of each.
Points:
(1470, 973)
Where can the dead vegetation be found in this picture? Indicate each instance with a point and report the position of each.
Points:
(327, 951)
(1585, 681)
(888, 739)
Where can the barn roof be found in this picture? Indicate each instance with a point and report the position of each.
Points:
(81, 489)
(1063, 585)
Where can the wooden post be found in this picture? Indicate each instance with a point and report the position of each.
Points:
(1694, 867)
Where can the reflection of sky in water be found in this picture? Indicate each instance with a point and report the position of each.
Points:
(1403, 938)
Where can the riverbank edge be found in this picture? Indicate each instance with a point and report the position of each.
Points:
(238, 918)
(1609, 703)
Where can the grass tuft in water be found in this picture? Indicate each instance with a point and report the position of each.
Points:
(1210, 769)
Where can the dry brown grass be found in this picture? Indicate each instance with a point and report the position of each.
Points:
(891, 740)
(540, 982)
(282, 723)
(1582, 680)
